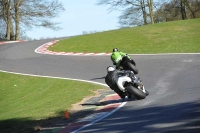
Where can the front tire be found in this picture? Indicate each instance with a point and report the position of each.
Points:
(136, 92)
(146, 92)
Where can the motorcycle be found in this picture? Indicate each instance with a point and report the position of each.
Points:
(132, 86)
(128, 64)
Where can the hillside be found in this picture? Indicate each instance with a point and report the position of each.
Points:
(168, 37)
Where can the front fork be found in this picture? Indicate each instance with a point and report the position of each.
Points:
(138, 84)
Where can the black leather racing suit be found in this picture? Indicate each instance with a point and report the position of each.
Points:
(111, 81)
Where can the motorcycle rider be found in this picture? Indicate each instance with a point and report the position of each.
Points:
(117, 56)
(112, 77)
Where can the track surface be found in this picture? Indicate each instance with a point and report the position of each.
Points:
(172, 80)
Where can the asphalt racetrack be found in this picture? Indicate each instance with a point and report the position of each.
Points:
(173, 81)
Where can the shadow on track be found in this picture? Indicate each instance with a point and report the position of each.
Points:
(160, 119)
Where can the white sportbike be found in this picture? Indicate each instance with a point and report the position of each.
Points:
(132, 86)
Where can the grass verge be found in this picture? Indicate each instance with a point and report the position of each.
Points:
(25, 99)
(170, 37)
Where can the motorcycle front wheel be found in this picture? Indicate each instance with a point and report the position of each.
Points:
(138, 94)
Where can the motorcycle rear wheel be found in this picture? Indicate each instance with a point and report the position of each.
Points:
(138, 94)
(132, 67)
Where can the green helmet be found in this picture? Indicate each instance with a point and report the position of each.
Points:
(116, 57)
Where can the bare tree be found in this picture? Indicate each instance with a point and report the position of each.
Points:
(6, 16)
(17, 5)
(2, 30)
(133, 10)
(134, 15)
(29, 13)
(193, 6)
(178, 9)
(40, 13)
(150, 5)
(2, 23)
(183, 9)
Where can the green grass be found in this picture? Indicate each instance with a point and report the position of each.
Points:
(35, 98)
(170, 37)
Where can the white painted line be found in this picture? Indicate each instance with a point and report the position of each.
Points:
(55, 77)
(94, 121)
(100, 118)
(93, 117)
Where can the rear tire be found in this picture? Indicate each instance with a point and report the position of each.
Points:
(136, 92)
(132, 67)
